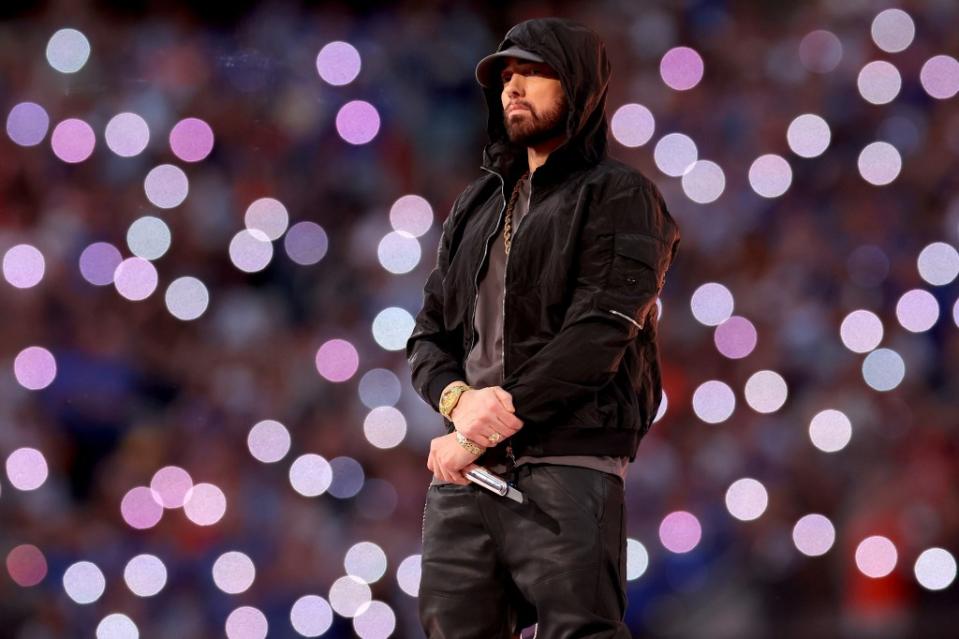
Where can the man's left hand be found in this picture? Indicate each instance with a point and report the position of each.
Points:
(448, 460)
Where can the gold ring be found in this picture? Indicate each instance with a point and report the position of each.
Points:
(494, 437)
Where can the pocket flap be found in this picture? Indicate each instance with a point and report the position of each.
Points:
(644, 248)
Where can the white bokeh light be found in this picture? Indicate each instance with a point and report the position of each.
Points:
(385, 427)
(632, 125)
(187, 298)
(879, 82)
(808, 135)
(712, 304)
(935, 569)
(704, 182)
(883, 369)
(311, 616)
(375, 621)
(398, 253)
(879, 163)
(893, 30)
(135, 279)
(234, 572)
(246, 622)
(68, 50)
(917, 310)
(746, 499)
(166, 186)
(814, 535)
(84, 582)
(365, 561)
(117, 625)
(310, 475)
(348, 595)
(392, 327)
(938, 263)
(23, 266)
(876, 556)
(148, 237)
(205, 504)
(766, 391)
(411, 214)
(408, 575)
(268, 441)
(861, 331)
(675, 153)
(250, 250)
(267, 215)
(637, 559)
(714, 401)
(830, 430)
(770, 175)
(145, 575)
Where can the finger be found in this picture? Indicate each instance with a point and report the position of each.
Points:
(506, 424)
(504, 398)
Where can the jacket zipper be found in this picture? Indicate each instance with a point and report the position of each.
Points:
(627, 318)
(482, 260)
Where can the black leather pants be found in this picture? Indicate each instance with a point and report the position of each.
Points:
(491, 566)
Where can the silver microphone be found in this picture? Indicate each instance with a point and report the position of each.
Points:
(493, 483)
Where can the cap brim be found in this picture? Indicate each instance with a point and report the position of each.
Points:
(488, 66)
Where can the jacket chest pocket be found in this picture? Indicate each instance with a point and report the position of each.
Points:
(637, 261)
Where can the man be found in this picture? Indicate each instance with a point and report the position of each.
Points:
(537, 344)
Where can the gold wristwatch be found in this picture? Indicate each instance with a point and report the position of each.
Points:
(450, 397)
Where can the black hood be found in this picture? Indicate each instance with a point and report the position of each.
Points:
(578, 56)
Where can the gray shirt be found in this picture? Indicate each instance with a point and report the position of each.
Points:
(484, 363)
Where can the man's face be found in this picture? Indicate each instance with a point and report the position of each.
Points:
(534, 105)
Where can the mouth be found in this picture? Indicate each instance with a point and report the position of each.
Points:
(516, 107)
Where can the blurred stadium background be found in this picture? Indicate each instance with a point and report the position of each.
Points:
(215, 227)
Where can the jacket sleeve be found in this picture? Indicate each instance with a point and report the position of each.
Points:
(627, 246)
(433, 352)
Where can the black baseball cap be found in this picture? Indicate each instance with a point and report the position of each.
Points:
(488, 67)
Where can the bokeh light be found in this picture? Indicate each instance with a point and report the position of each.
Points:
(940, 76)
(766, 391)
(357, 122)
(392, 327)
(68, 50)
(879, 82)
(935, 569)
(714, 401)
(205, 504)
(379, 387)
(398, 252)
(140, 509)
(711, 304)
(250, 251)
(135, 278)
(735, 338)
(893, 30)
(348, 595)
(148, 237)
(191, 139)
(681, 68)
(814, 535)
(830, 430)
(166, 186)
(704, 182)
(861, 331)
(337, 360)
(306, 243)
(311, 615)
(637, 559)
(73, 140)
(808, 135)
(35, 368)
(233, 572)
(26, 565)
(186, 298)
(23, 266)
(883, 369)
(338, 63)
(770, 175)
(411, 214)
(632, 125)
(310, 475)
(408, 574)
(675, 153)
(879, 163)
(27, 124)
(170, 486)
(876, 556)
(820, 51)
(268, 441)
(384, 427)
(348, 477)
(127, 134)
(365, 561)
(680, 531)
(246, 622)
(117, 625)
(746, 499)
(268, 216)
(938, 263)
(99, 262)
(145, 575)
(84, 582)
(375, 621)
(917, 310)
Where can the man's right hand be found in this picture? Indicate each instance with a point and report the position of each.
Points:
(482, 412)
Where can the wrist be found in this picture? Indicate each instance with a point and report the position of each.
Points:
(472, 447)
(451, 397)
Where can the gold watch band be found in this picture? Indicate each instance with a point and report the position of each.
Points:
(469, 444)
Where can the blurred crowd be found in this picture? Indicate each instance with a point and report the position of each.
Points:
(137, 389)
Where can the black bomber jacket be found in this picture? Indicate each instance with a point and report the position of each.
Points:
(585, 268)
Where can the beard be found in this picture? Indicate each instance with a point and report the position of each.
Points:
(533, 129)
